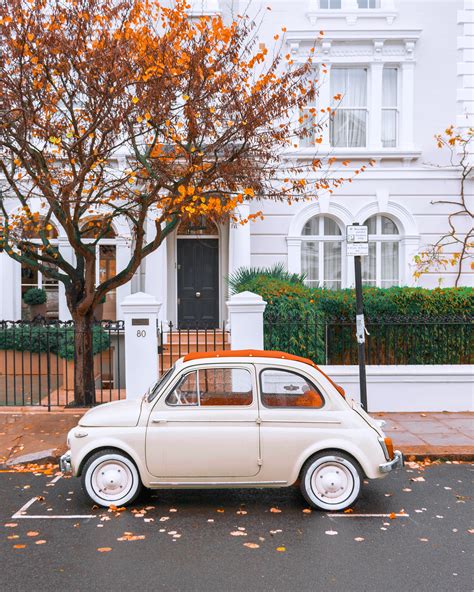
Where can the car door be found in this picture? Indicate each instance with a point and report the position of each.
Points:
(295, 413)
(206, 425)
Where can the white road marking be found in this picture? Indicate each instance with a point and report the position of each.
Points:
(21, 513)
(368, 515)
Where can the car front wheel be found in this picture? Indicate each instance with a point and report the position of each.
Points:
(111, 478)
(331, 480)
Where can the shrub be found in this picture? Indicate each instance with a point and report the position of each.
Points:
(406, 325)
(244, 277)
(35, 296)
(57, 339)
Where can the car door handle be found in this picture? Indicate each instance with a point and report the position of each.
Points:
(159, 420)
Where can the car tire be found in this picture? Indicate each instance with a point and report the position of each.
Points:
(331, 480)
(111, 478)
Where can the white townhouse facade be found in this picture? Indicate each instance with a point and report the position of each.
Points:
(405, 69)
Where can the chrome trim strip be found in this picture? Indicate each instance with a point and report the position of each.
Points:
(329, 421)
(213, 483)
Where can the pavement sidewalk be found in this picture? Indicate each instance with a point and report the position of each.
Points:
(36, 436)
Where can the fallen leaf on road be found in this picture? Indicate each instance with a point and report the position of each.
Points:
(238, 533)
(417, 479)
(19, 546)
(164, 518)
(40, 542)
(471, 531)
(392, 515)
(220, 511)
(13, 536)
(424, 540)
(275, 510)
(281, 549)
(11, 525)
(359, 539)
(331, 532)
(32, 533)
(172, 510)
(348, 511)
(104, 549)
(307, 511)
(128, 536)
(241, 512)
(275, 531)
(406, 489)
(252, 545)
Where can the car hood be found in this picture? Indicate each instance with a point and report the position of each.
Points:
(118, 413)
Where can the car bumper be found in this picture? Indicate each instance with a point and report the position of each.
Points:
(396, 463)
(65, 463)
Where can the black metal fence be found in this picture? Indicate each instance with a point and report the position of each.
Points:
(175, 342)
(389, 341)
(37, 362)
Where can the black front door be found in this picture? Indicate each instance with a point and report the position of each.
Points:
(198, 283)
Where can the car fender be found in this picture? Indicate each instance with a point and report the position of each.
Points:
(368, 464)
(87, 448)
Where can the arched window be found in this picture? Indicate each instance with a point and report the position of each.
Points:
(106, 260)
(32, 278)
(321, 253)
(382, 267)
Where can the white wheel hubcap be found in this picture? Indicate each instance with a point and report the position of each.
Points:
(111, 480)
(331, 481)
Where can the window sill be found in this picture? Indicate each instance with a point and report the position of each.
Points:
(352, 16)
(356, 153)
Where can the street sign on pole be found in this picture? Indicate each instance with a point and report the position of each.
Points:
(358, 246)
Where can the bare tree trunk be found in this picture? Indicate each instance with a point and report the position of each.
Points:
(84, 384)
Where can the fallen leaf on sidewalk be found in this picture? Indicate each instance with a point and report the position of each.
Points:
(104, 549)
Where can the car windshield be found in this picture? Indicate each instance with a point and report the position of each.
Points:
(161, 383)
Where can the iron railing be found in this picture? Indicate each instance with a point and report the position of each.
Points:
(394, 340)
(37, 362)
(175, 342)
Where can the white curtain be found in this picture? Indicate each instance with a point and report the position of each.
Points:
(310, 262)
(389, 264)
(389, 107)
(369, 266)
(349, 123)
(332, 264)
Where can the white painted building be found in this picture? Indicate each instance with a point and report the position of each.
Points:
(406, 70)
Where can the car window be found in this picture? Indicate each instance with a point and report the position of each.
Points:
(283, 388)
(212, 387)
(160, 383)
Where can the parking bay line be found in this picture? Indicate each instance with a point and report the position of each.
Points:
(21, 513)
(350, 515)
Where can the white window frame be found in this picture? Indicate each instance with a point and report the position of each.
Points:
(322, 238)
(367, 109)
(395, 108)
(378, 238)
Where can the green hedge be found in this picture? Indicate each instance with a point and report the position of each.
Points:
(407, 325)
(58, 339)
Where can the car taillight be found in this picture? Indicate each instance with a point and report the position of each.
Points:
(389, 447)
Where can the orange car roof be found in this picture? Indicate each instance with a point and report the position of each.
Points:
(258, 353)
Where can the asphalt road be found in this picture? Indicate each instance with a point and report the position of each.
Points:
(185, 541)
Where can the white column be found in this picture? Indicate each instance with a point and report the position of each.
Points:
(375, 106)
(407, 105)
(239, 240)
(67, 253)
(246, 320)
(156, 275)
(140, 313)
(294, 254)
(8, 292)
(123, 254)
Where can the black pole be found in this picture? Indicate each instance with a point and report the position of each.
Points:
(360, 331)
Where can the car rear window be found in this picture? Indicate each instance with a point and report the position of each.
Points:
(285, 388)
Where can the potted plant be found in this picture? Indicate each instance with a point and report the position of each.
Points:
(99, 310)
(36, 300)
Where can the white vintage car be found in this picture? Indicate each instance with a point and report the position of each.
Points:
(232, 419)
